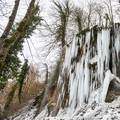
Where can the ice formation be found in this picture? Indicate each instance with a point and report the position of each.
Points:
(91, 60)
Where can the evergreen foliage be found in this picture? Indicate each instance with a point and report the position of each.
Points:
(22, 77)
(10, 64)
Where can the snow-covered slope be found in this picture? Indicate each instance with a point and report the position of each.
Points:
(104, 111)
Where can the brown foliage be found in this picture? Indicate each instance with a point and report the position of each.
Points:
(30, 90)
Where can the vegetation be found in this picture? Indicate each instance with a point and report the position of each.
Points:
(67, 17)
(10, 63)
(63, 13)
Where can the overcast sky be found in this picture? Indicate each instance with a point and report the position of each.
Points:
(46, 9)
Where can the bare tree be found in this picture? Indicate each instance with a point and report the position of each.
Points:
(90, 13)
(109, 15)
(11, 20)
(79, 16)
(99, 10)
(94, 13)
(3, 8)
(63, 13)
(21, 32)
(45, 93)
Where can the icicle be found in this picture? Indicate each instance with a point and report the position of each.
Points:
(80, 76)
(117, 43)
(86, 69)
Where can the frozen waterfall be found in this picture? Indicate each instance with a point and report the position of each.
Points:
(87, 60)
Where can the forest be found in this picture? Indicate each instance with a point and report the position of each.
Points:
(59, 60)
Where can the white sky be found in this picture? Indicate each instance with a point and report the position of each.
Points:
(46, 9)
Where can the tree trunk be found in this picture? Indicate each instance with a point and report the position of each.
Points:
(18, 34)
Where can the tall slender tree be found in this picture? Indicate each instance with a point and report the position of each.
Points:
(11, 20)
(62, 11)
(9, 61)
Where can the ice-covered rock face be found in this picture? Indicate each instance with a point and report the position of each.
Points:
(88, 60)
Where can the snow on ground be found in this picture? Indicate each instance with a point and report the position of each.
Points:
(106, 111)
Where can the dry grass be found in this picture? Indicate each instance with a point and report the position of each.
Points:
(30, 90)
